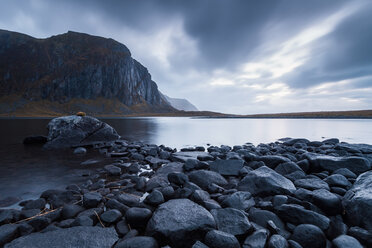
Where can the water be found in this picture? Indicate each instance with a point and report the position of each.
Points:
(27, 171)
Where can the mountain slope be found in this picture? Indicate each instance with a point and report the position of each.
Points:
(181, 104)
(73, 72)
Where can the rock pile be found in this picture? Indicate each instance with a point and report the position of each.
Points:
(294, 193)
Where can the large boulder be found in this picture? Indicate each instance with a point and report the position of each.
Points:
(265, 181)
(358, 202)
(69, 131)
(180, 222)
(69, 237)
(329, 163)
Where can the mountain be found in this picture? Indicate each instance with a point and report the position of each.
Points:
(180, 104)
(73, 72)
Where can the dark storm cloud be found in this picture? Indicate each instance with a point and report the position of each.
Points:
(226, 32)
(198, 49)
(345, 53)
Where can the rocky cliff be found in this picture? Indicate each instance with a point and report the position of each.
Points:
(73, 72)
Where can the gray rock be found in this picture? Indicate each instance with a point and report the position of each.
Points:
(7, 233)
(82, 221)
(256, 239)
(138, 217)
(277, 241)
(178, 178)
(362, 235)
(113, 170)
(345, 172)
(227, 167)
(39, 223)
(265, 181)
(71, 210)
(328, 202)
(231, 220)
(111, 216)
(35, 204)
(139, 241)
(308, 235)
(219, 239)
(122, 227)
(311, 183)
(262, 217)
(70, 237)
(155, 198)
(358, 202)
(346, 241)
(204, 178)
(298, 215)
(355, 164)
(337, 180)
(181, 222)
(68, 131)
(239, 200)
(288, 168)
(91, 200)
(272, 161)
(199, 244)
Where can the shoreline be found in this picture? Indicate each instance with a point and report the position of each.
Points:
(127, 194)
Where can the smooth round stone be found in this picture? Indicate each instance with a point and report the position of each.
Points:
(308, 235)
(138, 217)
(111, 216)
(154, 198)
(277, 241)
(346, 241)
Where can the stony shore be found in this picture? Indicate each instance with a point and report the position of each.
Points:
(291, 193)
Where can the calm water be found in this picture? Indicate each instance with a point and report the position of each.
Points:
(26, 171)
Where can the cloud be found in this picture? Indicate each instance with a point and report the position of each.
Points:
(228, 56)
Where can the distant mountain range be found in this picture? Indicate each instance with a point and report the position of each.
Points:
(74, 72)
(181, 104)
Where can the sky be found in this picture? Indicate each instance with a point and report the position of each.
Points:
(230, 56)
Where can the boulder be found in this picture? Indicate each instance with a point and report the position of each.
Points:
(277, 241)
(70, 237)
(311, 183)
(231, 220)
(219, 239)
(227, 167)
(358, 202)
(7, 233)
(308, 235)
(256, 239)
(92, 199)
(69, 131)
(329, 163)
(239, 200)
(111, 216)
(138, 217)
(298, 215)
(346, 241)
(265, 181)
(180, 222)
(203, 178)
(327, 201)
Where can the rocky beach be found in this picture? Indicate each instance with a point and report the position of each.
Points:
(289, 193)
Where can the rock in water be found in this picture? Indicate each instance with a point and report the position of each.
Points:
(358, 202)
(68, 131)
(265, 181)
(69, 237)
(180, 222)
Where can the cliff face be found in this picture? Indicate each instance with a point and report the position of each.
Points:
(75, 68)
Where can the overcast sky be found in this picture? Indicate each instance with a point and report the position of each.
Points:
(230, 56)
